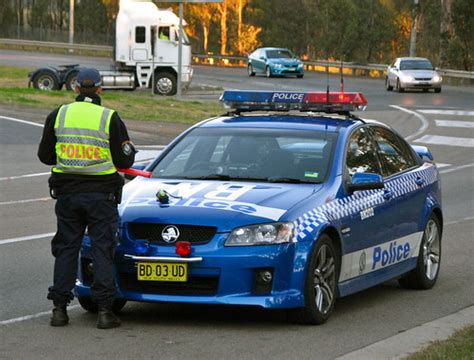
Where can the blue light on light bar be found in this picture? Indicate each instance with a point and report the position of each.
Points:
(292, 100)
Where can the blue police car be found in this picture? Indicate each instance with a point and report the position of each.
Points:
(288, 201)
(274, 62)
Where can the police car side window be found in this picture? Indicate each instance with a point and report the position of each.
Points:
(361, 154)
(395, 156)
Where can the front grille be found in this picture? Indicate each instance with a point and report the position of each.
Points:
(152, 232)
(194, 285)
(423, 79)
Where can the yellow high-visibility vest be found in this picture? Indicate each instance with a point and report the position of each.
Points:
(82, 146)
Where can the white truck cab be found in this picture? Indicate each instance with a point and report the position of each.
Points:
(139, 25)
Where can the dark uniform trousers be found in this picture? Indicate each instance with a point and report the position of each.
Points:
(75, 211)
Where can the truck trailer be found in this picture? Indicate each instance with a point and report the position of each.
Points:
(146, 44)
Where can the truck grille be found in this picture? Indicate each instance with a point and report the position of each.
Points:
(152, 232)
(194, 285)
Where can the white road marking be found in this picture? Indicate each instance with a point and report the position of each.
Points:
(455, 124)
(25, 201)
(21, 121)
(442, 165)
(454, 222)
(34, 316)
(26, 238)
(446, 140)
(447, 112)
(460, 167)
(25, 176)
(146, 155)
(424, 122)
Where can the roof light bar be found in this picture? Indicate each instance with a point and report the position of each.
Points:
(252, 100)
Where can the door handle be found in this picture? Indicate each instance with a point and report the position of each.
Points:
(419, 181)
(387, 194)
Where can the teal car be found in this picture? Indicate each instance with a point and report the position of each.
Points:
(274, 62)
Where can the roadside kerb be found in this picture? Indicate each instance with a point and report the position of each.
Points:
(413, 340)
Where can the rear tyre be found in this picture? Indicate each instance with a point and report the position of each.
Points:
(165, 84)
(388, 87)
(320, 285)
(90, 306)
(268, 72)
(46, 80)
(250, 70)
(399, 87)
(425, 274)
(71, 81)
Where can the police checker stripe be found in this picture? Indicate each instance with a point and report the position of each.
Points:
(81, 163)
(67, 139)
(307, 224)
(374, 258)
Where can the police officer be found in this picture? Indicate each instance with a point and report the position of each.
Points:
(86, 143)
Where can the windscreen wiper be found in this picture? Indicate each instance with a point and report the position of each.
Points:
(289, 180)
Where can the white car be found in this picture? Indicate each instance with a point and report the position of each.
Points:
(414, 73)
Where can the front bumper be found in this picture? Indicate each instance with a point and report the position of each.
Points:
(420, 84)
(226, 275)
(286, 71)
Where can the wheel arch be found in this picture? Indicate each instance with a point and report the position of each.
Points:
(439, 214)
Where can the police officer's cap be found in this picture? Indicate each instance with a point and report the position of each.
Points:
(89, 78)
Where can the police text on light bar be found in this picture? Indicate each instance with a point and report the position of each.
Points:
(252, 100)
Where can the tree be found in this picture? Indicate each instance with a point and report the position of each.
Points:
(462, 44)
(222, 12)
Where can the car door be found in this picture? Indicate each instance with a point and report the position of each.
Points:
(404, 183)
(367, 216)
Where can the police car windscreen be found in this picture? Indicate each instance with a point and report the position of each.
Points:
(268, 155)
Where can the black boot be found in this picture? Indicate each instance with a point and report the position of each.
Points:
(59, 317)
(106, 318)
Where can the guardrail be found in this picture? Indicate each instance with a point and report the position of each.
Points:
(50, 46)
(334, 67)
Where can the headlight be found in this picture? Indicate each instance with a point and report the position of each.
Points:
(300, 66)
(407, 78)
(264, 234)
(277, 66)
(437, 78)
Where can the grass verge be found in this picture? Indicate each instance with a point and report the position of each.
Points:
(458, 347)
(131, 105)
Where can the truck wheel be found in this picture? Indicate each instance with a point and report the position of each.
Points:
(71, 81)
(46, 80)
(165, 84)
(320, 284)
(425, 274)
(88, 305)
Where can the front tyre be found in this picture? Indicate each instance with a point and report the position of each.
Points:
(165, 84)
(399, 87)
(425, 274)
(320, 284)
(250, 70)
(268, 72)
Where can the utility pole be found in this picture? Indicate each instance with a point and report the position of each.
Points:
(413, 29)
(71, 24)
(180, 50)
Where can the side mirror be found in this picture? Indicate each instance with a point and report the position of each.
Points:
(365, 181)
(262, 58)
(137, 167)
(423, 152)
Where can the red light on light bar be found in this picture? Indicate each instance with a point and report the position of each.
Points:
(357, 99)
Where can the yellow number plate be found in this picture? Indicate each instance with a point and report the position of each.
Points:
(151, 271)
